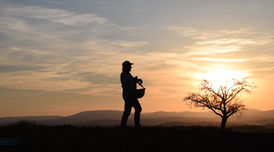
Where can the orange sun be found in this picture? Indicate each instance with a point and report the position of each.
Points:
(222, 77)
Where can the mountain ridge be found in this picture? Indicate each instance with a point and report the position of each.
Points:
(112, 117)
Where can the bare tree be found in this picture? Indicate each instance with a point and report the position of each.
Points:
(223, 101)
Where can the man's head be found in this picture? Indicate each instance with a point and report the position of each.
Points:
(127, 66)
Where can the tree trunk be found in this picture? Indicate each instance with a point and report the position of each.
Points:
(223, 123)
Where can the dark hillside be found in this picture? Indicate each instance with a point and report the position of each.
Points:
(39, 138)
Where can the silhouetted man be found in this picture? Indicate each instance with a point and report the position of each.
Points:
(129, 95)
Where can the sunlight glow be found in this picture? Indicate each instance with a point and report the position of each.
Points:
(222, 77)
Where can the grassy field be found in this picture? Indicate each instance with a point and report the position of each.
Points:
(39, 138)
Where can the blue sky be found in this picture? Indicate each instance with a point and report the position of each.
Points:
(63, 57)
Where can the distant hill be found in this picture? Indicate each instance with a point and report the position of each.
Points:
(10, 120)
(112, 118)
(85, 117)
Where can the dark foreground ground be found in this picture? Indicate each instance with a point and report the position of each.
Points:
(38, 138)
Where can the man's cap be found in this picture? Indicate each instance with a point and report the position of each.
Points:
(126, 63)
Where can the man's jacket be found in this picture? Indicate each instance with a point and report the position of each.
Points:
(128, 85)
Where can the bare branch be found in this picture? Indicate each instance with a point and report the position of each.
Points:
(233, 95)
(215, 111)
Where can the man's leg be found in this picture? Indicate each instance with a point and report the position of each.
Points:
(127, 110)
(137, 113)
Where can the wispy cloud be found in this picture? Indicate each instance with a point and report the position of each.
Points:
(220, 60)
(242, 49)
(55, 15)
(39, 81)
(211, 49)
(235, 41)
(221, 41)
(129, 43)
(62, 44)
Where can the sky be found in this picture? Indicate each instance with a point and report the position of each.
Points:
(63, 57)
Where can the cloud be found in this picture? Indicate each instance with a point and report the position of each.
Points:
(129, 43)
(262, 65)
(83, 19)
(11, 68)
(54, 15)
(96, 78)
(244, 49)
(224, 41)
(220, 60)
(38, 81)
(49, 25)
(102, 90)
(185, 31)
(50, 49)
(234, 41)
(211, 49)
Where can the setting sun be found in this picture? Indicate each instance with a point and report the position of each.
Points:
(222, 77)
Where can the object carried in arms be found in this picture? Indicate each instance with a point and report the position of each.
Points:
(140, 92)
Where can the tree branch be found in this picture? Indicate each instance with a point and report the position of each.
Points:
(235, 94)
